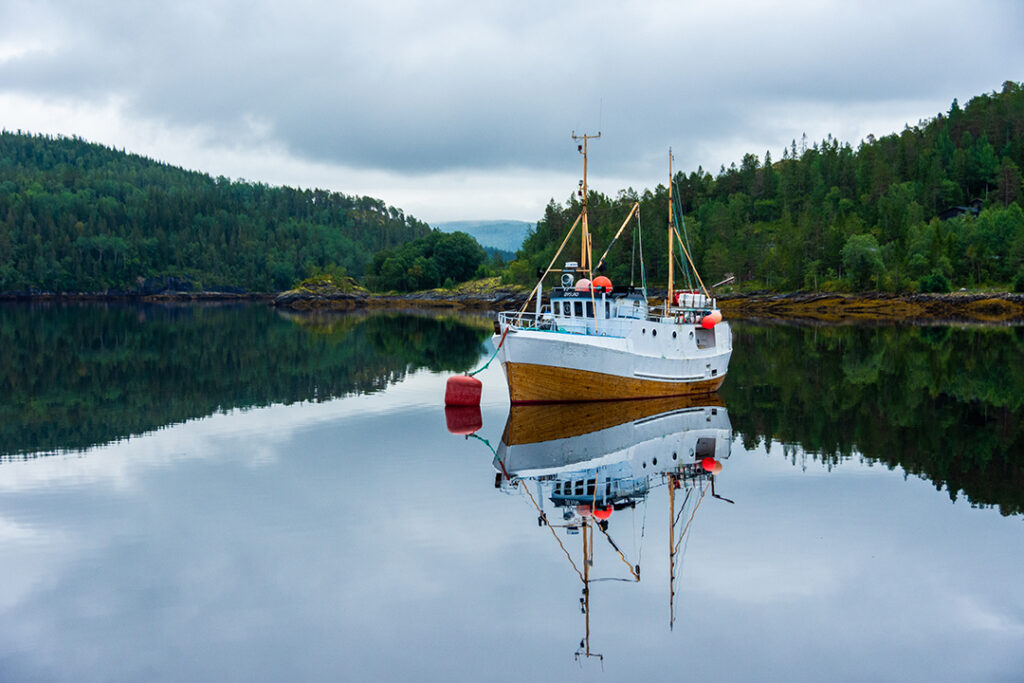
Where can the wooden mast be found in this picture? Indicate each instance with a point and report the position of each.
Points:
(671, 232)
(587, 532)
(585, 256)
(671, 550)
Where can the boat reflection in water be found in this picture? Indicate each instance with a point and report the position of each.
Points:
(589, 460)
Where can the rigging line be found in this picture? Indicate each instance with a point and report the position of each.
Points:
(695, 507)
(640, 234)
(550, 265)
(553, 534)
(632, 263)
(634, 209)
(677, 208)
(621, 556)
(687, 254)
(682, 217)
(682, 508)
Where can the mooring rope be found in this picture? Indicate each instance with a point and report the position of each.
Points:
(493, 355)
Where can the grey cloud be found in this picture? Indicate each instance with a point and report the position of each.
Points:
(417, 87)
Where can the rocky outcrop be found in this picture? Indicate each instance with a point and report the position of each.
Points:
(918, 308)
(482, 295)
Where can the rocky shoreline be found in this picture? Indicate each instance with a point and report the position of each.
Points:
(1000, 307)
(325, 296)
(811, 307)
(878, 306)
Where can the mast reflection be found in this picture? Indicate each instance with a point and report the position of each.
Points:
(589, 460)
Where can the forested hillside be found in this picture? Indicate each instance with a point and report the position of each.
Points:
(77, 216)
(935, 206)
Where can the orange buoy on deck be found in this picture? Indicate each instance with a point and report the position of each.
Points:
(463, 420)
(603, 513)
(711, 319)
(602, 283)
(462, 390)
(708, 464)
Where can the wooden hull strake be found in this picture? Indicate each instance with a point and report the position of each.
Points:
(531, 383)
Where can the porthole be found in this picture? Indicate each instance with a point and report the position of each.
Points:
(645, 466)
(673, 334)
(654, 462)
(654, 333)
(643, 330)
(691, 335)
(675, 456)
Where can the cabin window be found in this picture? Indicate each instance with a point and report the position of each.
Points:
(607, 309)
(566, 308)
(590, 309)
(578, 307)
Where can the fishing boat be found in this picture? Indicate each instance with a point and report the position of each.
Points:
(595, 341)
(583, 466)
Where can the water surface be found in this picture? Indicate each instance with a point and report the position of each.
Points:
(228, 493)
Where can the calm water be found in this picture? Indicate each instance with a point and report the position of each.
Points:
(231, 494)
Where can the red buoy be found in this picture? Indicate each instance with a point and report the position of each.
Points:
(711, 319)
(583, 285)
(603, 513)
(463, 420)
(602, 283)
(462, 390)
(708, 464)
(583, 510)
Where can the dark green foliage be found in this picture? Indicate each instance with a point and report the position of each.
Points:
(427, 262)
(935, 283)
(76, 376)
(76, 216)
(944, 403)
(862, 259)
(1018, 282)
(788, 225)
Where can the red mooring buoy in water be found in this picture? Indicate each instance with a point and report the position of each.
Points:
(463, 420)
(462, 390)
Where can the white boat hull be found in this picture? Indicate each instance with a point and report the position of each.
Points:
(654, 358)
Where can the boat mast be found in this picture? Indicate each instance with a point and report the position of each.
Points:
(671, 230)
(671, 550)
(587, 532)
(585, 256)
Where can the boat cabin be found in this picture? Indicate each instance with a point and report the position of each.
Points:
(581, 306)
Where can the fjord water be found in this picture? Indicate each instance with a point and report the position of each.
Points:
(230, 493)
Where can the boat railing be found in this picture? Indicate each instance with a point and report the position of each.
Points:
(679, 314)
(548, 322)
(526, 321)
(616, 326)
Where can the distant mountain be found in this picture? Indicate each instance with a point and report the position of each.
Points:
(506, 236)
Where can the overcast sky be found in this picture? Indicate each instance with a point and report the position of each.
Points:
(462, 110)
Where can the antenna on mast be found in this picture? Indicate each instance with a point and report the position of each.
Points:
(585, 259)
